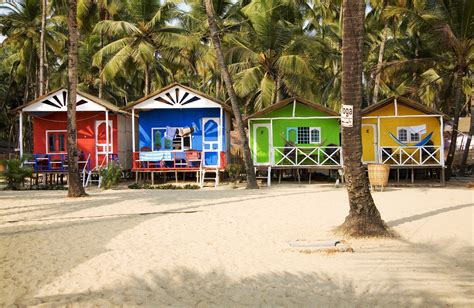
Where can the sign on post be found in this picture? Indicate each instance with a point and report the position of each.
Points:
(347, 114)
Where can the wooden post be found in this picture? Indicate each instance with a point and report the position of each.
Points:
(20, 134)
(107, 142)
(133, 130)
(412, 175)
(152, 178)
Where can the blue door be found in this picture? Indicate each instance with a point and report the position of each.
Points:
(210, 141)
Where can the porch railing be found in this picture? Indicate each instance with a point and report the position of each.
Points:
(307, 156)
(189, 159)
(55, 163)
(411, 155)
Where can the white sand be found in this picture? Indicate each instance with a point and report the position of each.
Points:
(230, 248)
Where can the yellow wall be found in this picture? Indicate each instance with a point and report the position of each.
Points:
(391, 124)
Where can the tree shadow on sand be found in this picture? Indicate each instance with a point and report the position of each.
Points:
(184, 287)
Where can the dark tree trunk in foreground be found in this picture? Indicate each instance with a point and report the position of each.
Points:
(364, 218)
(454, 134)
(75, 188)
(465, 154)
(249, 168)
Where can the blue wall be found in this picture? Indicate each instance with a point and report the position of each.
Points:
(177, 118)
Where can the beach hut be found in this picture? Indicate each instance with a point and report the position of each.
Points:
(404, 134)
(96, 144)
(295, 134)
(180, 130)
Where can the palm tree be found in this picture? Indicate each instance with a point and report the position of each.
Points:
(249, 168)
(364, 219)
(138, 44)
(445, 30)
(269, 52)
(75, 188)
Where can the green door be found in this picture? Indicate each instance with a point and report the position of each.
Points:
(262, 144)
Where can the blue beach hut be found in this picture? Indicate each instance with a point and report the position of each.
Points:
(179, 129)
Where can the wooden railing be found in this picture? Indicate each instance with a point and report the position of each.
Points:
(427, 155)
(54, 162)
(307, 156)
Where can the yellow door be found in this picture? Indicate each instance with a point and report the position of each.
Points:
(369, 143)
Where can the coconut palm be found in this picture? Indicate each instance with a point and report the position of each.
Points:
(364, 219)
(75, 188)
(249, 168)
(137, 44)
(268, 53)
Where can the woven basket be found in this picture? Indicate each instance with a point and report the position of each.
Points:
(378, 174)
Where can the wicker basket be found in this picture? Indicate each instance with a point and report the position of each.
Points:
(378, 174)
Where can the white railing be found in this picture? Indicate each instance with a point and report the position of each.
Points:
(427, 155)
(307, 156)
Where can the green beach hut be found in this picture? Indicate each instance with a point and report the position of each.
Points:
(295, 134)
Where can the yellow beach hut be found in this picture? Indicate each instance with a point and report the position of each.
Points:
(404, 134)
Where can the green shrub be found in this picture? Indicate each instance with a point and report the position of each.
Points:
(15, 173)
(110, 176)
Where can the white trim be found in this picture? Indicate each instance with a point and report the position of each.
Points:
(441, 152)
(133, 130)
(204, 142)
(47, 139)
(407, 129)
(58, 104)
(310, 138)
(294, 108)
(107, 137)
(375, 144)
(404, 116)
(396, 107)
(176, 103)
(221, 120)
(295, 118)
(108, 146)
(20, 134)
(270, 143)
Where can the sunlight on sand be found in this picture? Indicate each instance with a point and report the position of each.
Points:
(219, 247)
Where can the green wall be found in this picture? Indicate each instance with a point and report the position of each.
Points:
(330, 128)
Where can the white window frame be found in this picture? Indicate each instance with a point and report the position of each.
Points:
(47, 140)
(173, 150)
(310, 135)
(311, 128)
(409, 139)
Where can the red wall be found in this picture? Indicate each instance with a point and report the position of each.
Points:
(85, 131)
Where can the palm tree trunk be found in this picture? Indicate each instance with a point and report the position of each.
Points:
(249, 168)
(465, 154)
(278, 94)
(454, 134)
(147, 82)
(41, 84)
(75, 188)
(375, 98)
(101, 67)
(364, 219)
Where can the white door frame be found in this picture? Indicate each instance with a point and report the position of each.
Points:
(219, 141)
(270, 145)
(375, 143)
(103, 145)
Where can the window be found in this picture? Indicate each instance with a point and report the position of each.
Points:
(56, 141)
(315, 136)
(411, 133)
(161, 142)
(308, 135)
(414, 137)
(402, 134)
(303, 135)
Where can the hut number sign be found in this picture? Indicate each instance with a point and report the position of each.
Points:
(347, 112)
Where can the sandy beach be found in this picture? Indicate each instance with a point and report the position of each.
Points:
(230, 248)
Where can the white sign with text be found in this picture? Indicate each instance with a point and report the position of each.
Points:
(347, 114)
